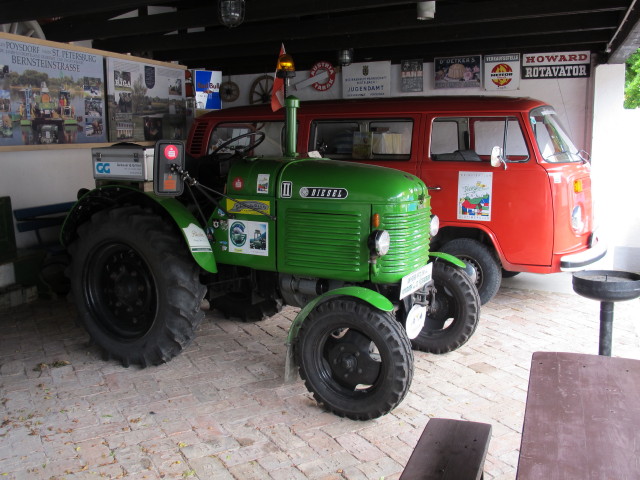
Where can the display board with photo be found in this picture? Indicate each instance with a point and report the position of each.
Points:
(50, 95)
(146, 102)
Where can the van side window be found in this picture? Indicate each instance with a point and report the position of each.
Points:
(362, 139)
(271, 146)
(470, 139)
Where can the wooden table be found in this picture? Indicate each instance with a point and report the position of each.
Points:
(582, 419)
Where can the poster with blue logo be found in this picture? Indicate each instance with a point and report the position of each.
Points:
(207, 89)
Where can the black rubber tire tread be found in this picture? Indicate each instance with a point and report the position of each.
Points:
(451, 281)
(393, 345)
(483, 259)
(509, 274)
(174, 276)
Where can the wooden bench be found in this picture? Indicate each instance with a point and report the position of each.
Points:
(449, 450)
(582, 418)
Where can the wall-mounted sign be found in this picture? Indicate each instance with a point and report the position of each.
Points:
(411, 75)
(208, 89)
(50, 95)
(371, 79)
(502, 72)
(146, 102)
(556, 65)
(458, 72)
(328, 79)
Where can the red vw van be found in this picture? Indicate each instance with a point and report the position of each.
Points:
(512, 192)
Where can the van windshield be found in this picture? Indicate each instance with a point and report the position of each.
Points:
(553, 142)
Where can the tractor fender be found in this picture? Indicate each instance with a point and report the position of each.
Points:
(113, 196)
(375, 299)
(468, 269)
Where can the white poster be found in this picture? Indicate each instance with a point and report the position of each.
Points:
(249, 237)
(372, 79)
(475, 196)
(502, 72)
(556, 65)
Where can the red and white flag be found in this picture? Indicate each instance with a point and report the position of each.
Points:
(277, 94)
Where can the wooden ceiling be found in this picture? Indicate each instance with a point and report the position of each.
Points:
(189, 31)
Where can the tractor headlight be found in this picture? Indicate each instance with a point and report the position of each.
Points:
(434, 225)
(379, 242)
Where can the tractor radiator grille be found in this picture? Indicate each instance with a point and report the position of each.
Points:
(325, 243)
(409, 241)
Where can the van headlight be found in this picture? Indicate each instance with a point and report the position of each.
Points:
(577, 220)
(379, 242)
(434, 225)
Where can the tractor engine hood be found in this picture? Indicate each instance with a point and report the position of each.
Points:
(325, 179)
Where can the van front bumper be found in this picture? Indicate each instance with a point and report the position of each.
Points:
(577, 261)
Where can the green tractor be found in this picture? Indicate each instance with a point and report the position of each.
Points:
(347, 243)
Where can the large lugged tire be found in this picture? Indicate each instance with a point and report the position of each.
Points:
(135, 285)
(483, 260)
(356, 360)
(454, 315)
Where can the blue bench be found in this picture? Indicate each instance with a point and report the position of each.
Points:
(45, 264)
(41, 217)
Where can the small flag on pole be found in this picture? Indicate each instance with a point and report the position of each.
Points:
(277, 94)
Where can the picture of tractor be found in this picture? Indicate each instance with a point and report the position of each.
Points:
(346, 243)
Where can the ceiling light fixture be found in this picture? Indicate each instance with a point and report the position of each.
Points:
(231, 12)
(426, 10)
(345, 56)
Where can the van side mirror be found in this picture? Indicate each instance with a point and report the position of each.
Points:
(168, 161)
(496, 157)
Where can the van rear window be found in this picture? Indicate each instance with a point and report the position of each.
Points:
(362, 139)
(471, 139)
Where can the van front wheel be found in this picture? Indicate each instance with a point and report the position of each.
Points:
(484, 262)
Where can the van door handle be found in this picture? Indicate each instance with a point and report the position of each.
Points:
(437, 188)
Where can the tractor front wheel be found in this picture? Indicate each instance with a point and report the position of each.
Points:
(454, 313)
(355, 359)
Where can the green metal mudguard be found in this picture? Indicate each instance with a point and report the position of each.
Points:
(449, 258)
(373, 298)
(111, 196)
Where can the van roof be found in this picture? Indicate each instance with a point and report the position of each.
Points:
(397, 104)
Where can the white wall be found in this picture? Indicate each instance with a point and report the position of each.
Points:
(615, 159)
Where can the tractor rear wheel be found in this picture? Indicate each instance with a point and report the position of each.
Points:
(135, 285)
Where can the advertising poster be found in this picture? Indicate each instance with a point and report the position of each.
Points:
(372, 79)
(49, 95)
(458, 72)
(556, 65)
(208, 89)
(145, 102)
(411, 75)
(502, 72)
(475, 195)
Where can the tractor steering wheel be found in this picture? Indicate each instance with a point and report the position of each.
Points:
(257, 140)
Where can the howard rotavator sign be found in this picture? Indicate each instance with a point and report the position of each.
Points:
(556, 65)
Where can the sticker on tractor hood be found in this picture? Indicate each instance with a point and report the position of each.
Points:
(249, 207)
(196, 238)
(323, 192)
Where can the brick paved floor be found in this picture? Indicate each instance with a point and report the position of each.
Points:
(221, 411)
